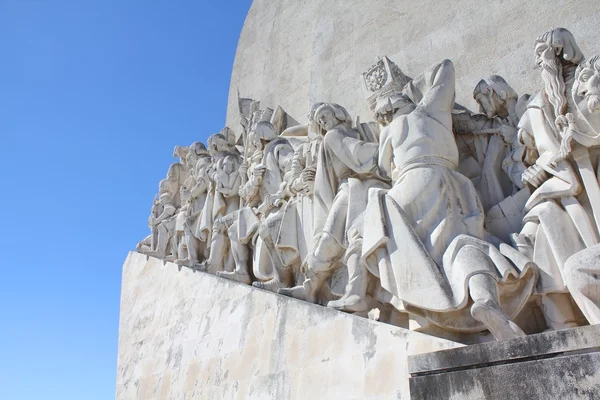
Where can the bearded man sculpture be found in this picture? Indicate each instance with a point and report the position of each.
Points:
(559, 218)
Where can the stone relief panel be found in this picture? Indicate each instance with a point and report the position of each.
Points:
(470, 225)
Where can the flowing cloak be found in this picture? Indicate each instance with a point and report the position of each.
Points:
(346, 170)
(295, 237)
(424, 238)
(216, 204)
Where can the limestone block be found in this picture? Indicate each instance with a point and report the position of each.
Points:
(185, 335)
(552, 365)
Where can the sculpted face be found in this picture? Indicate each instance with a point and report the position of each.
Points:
(217, 143)
(172, 173)
(544, 54)
(326, 118)
(588, 86)
(253, 141)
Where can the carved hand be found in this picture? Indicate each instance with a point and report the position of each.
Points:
(257, 174)
(566, 125)
(243, 170)
(508, 133)
(534, 176)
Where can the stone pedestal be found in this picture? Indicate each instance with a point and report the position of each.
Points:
(185, 335)
(553, 365)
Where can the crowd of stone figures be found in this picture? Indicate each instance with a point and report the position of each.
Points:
(458, 220)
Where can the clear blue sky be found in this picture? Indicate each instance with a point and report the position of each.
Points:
(94, 95)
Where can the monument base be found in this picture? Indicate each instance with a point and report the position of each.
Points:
(186, 335)
(553, 365)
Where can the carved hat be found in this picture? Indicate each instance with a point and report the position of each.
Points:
(564, 44)
(498, 85)
(339, 112)
(382, 78)
(264, 131)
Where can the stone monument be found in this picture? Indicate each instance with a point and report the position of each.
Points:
(359, 217)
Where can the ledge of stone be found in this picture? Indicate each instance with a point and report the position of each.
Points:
(194, 335)
(543, 345)
(552, 365)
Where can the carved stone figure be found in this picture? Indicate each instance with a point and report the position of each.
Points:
(222, 200)
(270, 158)
(424, 238)
(487, 155)
(164, 224)
(581, 140)
(557, 223)
(398, 206)
(197, 184)
(346, 170)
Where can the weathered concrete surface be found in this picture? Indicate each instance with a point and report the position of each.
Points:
(553, 365)
(196, 336)
(293, 53)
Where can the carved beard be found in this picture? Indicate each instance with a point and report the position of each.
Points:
(555, 85)
(593, 103)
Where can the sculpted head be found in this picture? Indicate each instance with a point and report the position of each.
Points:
(229, 164)
(175, 173)
(330, 115)
(494, 95)
(262, 133)
(587, 83)
(198, 148)
(390, 105)
(217, 143)
(180, 152)
(555, 50)
(557, 44)
(313, 126)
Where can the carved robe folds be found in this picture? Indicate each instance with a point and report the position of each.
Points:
(424, 238)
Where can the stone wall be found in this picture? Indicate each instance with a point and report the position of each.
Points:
(293, 53)
(187, 335)
(553, 365)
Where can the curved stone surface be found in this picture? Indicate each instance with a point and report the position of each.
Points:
(293, 53)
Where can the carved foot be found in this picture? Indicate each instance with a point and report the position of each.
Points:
(272, 286)
(297, 292)
(170, 258)
(234, 276)
(498, 323)
(205, 266)
(351, 304)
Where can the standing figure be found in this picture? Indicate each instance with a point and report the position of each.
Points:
(581, 141)
(169, 198)
(558, 222)
(490, 157)
(198, 192)
(270, 159)
(424, 238)
(221, 202)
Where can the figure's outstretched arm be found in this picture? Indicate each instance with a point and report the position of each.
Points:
(440, 96)
(434, 88)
